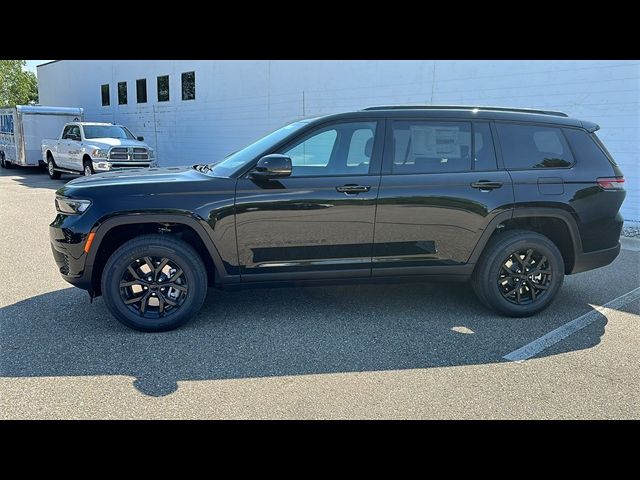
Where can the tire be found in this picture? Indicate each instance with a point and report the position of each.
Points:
(154, 318)
(6, 163)
(517, 294)
(2, 160)
(87, 168)
(51, 164)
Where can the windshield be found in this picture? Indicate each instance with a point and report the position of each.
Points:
(237, 160)
(107, 131)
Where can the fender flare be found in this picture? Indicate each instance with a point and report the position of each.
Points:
(102, 228)
(527, 212)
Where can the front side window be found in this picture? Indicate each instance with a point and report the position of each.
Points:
(122, 93)
(73, 133)
(189, 86)
(104, 90)
(65, 133)
(141, 90)
(533, 146)
(431, 147)
(341, 149)
(163, 88)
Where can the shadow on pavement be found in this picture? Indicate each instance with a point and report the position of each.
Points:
(35, 177)
(270, 332)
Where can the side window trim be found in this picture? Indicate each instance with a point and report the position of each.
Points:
(375, 163)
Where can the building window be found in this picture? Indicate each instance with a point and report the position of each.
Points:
(189, 86)
(122, 93)
(105, 95)
(163, 88)
(141, 90)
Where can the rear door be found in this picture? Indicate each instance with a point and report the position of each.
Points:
(441, 184)
(317, 223)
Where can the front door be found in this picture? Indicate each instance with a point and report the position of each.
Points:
(317, 223)
(62, 155)
(440, 186)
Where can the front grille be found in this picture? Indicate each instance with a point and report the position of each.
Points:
(128, 153)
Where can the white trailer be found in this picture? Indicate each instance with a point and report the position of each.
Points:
(23, 127)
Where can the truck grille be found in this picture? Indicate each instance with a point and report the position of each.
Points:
(128, 153)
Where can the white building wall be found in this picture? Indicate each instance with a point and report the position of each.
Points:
(238, 101)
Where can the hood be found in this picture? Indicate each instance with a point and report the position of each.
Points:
(115, 142)
(133, 177)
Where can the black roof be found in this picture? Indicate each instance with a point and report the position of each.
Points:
(464, 112)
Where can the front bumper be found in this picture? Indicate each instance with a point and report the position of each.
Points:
(110, 165)
(67, 246)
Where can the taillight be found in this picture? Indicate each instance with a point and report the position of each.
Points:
(611, 183)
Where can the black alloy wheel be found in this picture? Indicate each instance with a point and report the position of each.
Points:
(153, 287)
(525, 276)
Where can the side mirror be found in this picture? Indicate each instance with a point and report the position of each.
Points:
(140, 139)
(272, 166)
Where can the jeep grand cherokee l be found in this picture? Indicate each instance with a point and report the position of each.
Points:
(508, 199)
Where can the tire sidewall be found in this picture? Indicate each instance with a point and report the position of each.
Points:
(118, 263)
(492, 293)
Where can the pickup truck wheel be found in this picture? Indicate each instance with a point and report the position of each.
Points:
(519, 274)
(154, 283)
(88, 168)
(51, 165)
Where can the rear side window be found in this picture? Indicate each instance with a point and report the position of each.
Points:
(533, 146)
(585, 148)
(431, 147)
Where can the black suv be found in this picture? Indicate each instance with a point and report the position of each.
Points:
(510, 199)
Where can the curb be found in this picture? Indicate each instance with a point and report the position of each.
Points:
(628, 243)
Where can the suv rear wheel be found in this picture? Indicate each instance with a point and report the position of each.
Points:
(519, 273)
(154, 283)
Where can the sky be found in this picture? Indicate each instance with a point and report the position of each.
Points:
(31, 64)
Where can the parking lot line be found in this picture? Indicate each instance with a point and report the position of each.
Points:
(560, 333)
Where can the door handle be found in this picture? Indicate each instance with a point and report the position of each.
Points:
(486, 185)
(353, 189)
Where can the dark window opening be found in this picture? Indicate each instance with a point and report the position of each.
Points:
(141, 90)
(189, 86)
(105, 95)
(533, 146)
(122, 93)
(163, 88)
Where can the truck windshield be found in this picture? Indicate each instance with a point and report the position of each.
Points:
(236, 161)
(107, 131)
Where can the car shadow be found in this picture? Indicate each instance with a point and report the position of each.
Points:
(270, 332)
(35, 177)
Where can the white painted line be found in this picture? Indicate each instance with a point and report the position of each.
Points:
(560, 333)
(632, 244)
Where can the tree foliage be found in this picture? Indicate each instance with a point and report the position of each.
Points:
(17, 86)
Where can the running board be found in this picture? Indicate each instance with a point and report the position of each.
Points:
(62, 170)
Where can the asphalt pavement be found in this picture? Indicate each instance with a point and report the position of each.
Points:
(362, 351)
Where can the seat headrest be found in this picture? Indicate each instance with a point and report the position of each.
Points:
(368, 147)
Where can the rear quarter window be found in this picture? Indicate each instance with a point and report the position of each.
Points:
(533, 146)
(586, 148)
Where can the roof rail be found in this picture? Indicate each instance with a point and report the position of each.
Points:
(467, 107)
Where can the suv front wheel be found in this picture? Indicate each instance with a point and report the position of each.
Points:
(154, 283)
(519, 273)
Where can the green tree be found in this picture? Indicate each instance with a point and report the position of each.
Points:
(17, 86)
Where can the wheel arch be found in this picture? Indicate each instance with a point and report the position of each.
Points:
(119, 229)
(541, 220)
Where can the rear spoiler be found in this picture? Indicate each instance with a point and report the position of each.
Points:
(590, 126)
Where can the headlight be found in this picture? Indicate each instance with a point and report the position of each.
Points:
(151, 153)
(100, 153)
(70, 206)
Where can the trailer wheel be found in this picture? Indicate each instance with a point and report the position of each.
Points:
(2, 159)
(5, 163)
(51, 165)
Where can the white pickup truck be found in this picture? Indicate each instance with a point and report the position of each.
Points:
(89, 147)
